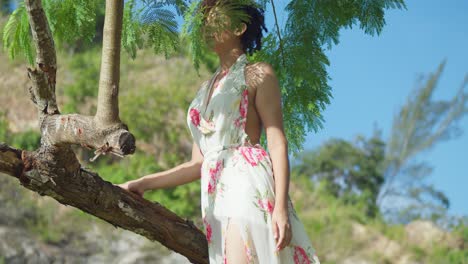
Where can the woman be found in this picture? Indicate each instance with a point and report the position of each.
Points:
(247, 214)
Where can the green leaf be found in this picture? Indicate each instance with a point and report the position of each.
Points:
(16, 35)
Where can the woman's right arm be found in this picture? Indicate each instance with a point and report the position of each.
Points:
(181, 174)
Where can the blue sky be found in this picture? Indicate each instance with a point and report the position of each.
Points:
(372, 76)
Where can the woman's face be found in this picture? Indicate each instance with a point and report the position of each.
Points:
(217, 31)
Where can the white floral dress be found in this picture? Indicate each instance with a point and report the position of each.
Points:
(237, 183)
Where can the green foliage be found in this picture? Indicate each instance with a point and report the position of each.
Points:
(419, 125)
(83, 89)
(418, 252)
(131, 31)
(310, 26)
(152, 25)
(209, 59)
(130, 168)
(462, 230)
(161, 28)
(16, 35)
(394, 232)
(179, 5)
(160, 108)
(19, 207)
(155, 124)
(70, 20)
(328, 220)
(4, 132)
(447, 255)
(183, 200)
(352, 172)
(192, 31)
(27, 140)
(44, 227)
(12, 195)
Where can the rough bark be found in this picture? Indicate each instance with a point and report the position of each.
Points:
(85, 130)
(43, 80)
(54, 170)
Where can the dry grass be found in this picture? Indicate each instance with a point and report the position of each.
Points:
(147, 70)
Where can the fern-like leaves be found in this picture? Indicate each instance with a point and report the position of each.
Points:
(153, 25)
(17, 36)
(69, 21)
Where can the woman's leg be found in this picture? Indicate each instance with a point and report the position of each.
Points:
(234, 245)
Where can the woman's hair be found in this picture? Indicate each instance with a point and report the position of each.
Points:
(251, 39)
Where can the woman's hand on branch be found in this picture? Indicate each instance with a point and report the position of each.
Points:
(134, 186)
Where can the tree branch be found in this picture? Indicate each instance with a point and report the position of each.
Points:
(83, 130)
(44, 80)
(278, 31)
(62, 177)
(46, 57)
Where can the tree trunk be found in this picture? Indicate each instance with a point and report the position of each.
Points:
(108, 104)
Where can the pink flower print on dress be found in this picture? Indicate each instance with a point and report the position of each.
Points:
(214, 173)
(264, 202)
(238, 122)
(195, 116)
(300, 256)
(207, 126)
(210, 188)
(208, 230)
(244, 103)
(253, 155)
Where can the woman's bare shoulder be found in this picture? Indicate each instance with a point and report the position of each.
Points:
(259, 72)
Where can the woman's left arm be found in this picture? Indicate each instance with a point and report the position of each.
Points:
(268, 104)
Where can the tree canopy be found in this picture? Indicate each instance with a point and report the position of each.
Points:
(296, 51)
